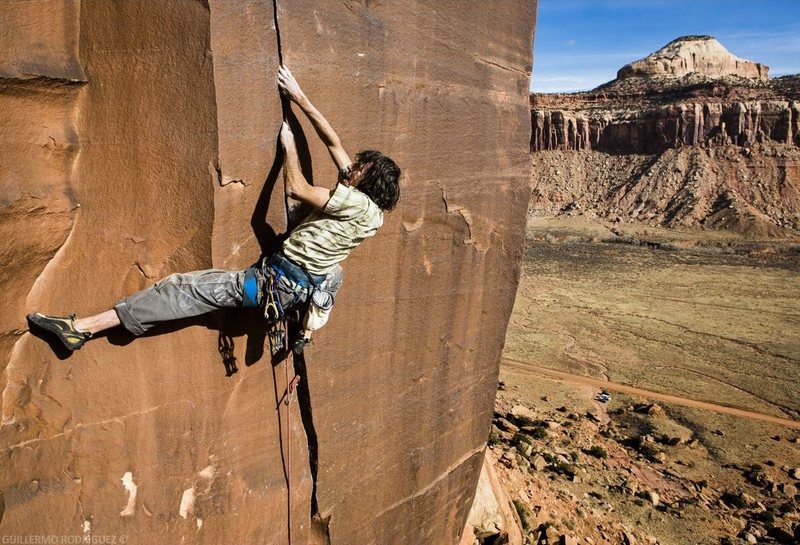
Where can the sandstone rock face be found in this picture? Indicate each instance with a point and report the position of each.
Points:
(138, 139)
(492, 515)
(693, 54)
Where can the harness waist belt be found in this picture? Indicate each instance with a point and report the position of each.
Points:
(294, 272)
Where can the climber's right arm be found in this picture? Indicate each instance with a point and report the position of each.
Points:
(289, 86)
(295, 184)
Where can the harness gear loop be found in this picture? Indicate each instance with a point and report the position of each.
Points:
(273, 310)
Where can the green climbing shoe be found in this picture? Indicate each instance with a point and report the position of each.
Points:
(63, 328)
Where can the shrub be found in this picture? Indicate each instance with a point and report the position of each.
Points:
(537, 433)
(528, 421)
(520, 438)
(755, 474)
(734, 500)
(766, 517)
(598, 452)
(524, 514)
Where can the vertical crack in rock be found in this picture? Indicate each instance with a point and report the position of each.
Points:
(277, 31)
(319, 525)
(307, 416)
(320, 530)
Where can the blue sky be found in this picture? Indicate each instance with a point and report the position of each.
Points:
(580, 44)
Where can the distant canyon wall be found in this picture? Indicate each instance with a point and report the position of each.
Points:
(565, 122)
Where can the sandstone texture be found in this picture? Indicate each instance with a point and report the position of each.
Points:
(708, 141)
(138, 139)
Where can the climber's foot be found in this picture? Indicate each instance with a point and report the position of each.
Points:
(62, 327)
(299, 344)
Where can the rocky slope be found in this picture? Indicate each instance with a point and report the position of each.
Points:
(630, 473)
(752, 192)
(138, 139)
(689, 136)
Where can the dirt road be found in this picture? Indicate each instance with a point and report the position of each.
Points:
(631, 390)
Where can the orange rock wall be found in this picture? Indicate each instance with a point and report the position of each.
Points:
(138, 138)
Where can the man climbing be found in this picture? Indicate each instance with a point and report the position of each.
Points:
(305, 270)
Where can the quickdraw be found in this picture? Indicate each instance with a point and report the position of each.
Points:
(275, 315)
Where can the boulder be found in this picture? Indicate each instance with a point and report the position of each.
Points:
(507, 426)
(491, 514)
(538, 463)
(521, 411)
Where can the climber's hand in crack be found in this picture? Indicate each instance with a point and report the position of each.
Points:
(289, 86)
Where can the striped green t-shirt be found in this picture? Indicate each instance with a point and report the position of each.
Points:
(328, 235)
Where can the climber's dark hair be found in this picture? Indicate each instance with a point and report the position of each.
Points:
(380, 180)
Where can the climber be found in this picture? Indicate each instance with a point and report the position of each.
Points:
(304, 271)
